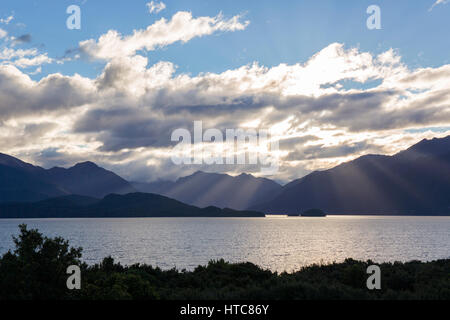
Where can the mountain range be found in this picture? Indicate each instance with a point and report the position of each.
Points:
(23, 182)
(212, 189)
(135, 205)
(415, 181)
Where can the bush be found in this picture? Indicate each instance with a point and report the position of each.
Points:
(36, 270)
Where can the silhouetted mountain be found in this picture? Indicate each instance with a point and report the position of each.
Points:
(158, 187)
(88, 179)
(21, 181)
(212, 189)
(12, 162)
(130, 205)
(415, 181)
(19, 185)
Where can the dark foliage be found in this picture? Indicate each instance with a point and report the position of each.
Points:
(37, 270)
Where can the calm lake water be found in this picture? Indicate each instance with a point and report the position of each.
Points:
(275, 243)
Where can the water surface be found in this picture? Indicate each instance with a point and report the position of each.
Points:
(275, 243)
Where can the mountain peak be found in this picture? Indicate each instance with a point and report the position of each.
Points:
(11, 161)
(86, 164)
(7, 158)
(221, 190)
(36, 183)
(428, 147)
(413, 182)
(243, 174)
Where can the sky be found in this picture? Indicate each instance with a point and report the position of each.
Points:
(113, 91)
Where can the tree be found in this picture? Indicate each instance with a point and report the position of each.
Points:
(37, 268)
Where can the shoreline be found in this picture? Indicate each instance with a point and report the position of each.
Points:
(35, 271)
(220, 217)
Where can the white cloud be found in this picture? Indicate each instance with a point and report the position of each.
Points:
(37, 71)
(20, 58)
(23, 58)
(182, 27)
(6, 20)
(123, 118)
(34, 61)
(20, 96)
(438, 2)
(156, 7)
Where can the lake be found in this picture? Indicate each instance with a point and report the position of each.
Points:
(276, 243)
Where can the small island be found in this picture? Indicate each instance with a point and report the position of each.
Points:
(313, 213)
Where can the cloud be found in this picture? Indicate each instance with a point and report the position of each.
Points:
(7, 20)
(25, 38)
(12, 54)
(181, 28)
(39, 129)
(153, 102)
(21, 97)
(155, 7)
(438, 2)
(320, 113)
(321, 151)
(23, 58)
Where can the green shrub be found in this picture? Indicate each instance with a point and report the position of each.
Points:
(36, 269)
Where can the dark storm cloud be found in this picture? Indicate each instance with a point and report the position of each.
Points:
(323, 152)
(292, 143)
(131, 109)
(247, 103)
(25, 38)
(55, 157)
(20, 98)
(151, 124)
(128, 129)
(39, 129)
(374, 117)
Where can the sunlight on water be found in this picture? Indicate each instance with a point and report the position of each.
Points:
(276, 243)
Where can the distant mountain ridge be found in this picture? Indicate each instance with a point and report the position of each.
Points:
(415, 181)
(88, 179)
(132, 205)
(21, 181)
(213, 189)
